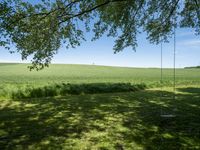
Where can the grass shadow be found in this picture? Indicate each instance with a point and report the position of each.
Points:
(191, 90)
(102, 121)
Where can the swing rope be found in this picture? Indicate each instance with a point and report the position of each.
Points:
(161, 74)
(174, 97)
(174, 74)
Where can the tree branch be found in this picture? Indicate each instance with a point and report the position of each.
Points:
(166, 20)
(90, 10)
(198, 13)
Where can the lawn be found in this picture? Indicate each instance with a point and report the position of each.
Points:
(113, 121)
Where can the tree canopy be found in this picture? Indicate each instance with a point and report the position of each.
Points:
(39, 28)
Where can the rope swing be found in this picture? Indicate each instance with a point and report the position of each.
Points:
(164, 114)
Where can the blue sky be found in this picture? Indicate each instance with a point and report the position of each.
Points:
(100, 52)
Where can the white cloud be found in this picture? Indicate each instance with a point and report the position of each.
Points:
(193, 43)
(190, 43)
(183, 34)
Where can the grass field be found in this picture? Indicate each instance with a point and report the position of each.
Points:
(19, 74)
(105, 120)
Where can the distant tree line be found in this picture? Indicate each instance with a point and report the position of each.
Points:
(192, 67)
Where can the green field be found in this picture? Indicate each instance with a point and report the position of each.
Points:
(19, 74)
(99, 121)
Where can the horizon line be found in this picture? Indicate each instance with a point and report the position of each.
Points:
(99, 65)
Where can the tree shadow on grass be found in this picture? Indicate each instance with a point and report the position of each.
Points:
(102, 121)
(191, 90)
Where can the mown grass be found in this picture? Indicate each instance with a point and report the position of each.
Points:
(117, 121)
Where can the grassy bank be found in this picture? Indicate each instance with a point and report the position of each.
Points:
(70, 89)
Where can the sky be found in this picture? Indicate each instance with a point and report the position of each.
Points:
(101, 52)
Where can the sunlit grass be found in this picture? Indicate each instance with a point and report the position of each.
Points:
(19, 75)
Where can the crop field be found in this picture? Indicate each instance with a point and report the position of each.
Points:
(19, 74)
(80, 107)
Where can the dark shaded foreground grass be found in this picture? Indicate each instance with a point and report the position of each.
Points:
(103, 121)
